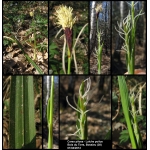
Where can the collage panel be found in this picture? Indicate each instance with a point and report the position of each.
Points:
(22, 112)
(129, 48)
(68, 37)
(50, 112)
(129, 112)
(100, 37)
(25, 37)
(85, 108)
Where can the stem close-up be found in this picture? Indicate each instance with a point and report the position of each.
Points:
(69, 61)
(50, 114)
(82, 117)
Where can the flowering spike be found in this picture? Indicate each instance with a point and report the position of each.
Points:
(65, 19)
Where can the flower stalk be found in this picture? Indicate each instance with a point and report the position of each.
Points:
(99, 50)
(34, 35)
(50, 109)
(127, 33)
(81, 123)
(66, 20)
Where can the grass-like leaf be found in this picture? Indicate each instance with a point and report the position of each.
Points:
(22, 125)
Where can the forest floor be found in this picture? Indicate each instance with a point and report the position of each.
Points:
(14, 60)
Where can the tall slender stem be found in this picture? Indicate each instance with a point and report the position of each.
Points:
(50, 114)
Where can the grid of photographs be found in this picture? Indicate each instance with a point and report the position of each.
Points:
(74, 75)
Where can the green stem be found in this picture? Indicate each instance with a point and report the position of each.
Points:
(131, 41)
(34, 34)
(135, 124)
(82, 117)
(129, 31)
(50, 114)
(69, 61)
(99, 51)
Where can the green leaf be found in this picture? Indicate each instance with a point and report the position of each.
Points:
(22, 132)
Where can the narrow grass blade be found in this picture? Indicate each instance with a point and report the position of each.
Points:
(14, 39)
(16, 125)
(29, 118)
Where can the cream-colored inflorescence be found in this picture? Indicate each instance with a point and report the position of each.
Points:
(65, 17)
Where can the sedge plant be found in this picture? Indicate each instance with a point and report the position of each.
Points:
(50, 114)
(65, 19)
(38, 25)
(128, 33)
(81, 110)
(85, 94)
(99, 50)
(130, 112)
(34, 35)
(134, 95)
